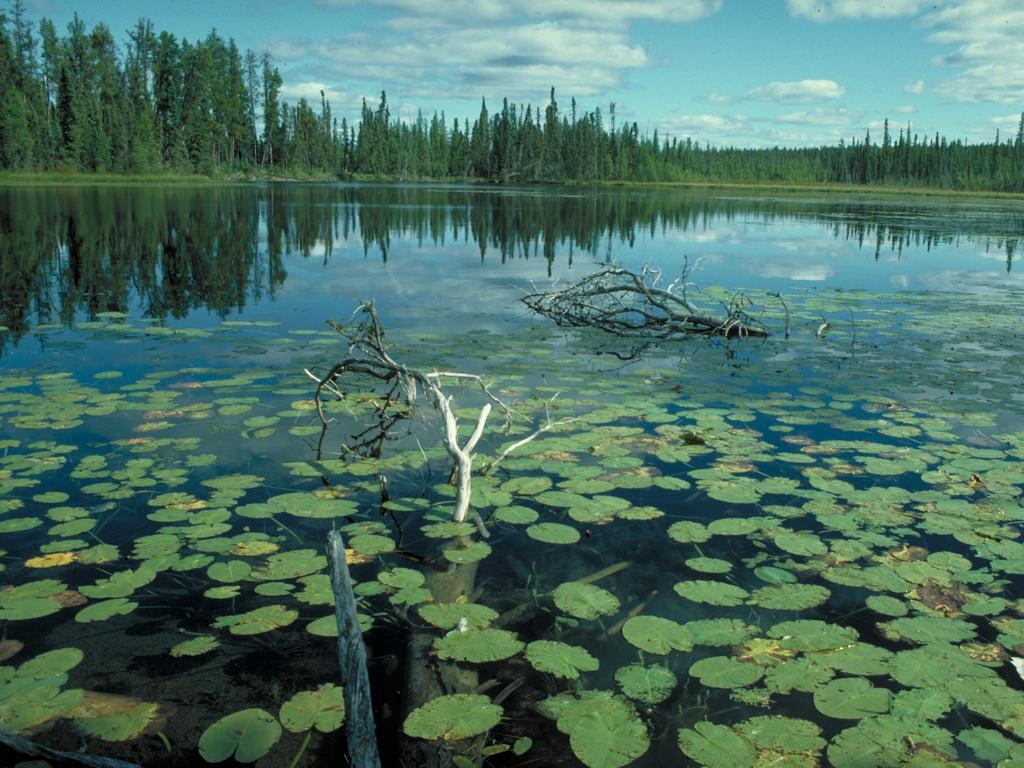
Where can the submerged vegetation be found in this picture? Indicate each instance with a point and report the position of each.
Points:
(79, 104)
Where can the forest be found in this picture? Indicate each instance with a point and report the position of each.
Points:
(83, 103)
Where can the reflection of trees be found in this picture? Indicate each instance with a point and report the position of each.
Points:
(165, 251)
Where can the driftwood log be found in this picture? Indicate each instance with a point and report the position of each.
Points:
(628, 303)
(32, 749)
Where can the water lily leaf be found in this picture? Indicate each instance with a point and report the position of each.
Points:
(774, 575)
(120, 584)
(196, 646)
(988, 745)
(928, 629)
(800, 543)
(584, 601)
(790, 597)
(257, 621)
(725, 672)
(709, 565)
(687, 532)
(516, 515)
(718, 632)
(247, 735)
(323, 709)
(711, 592)
(467, 552)
(560, 659)
(449, 615)
(125, 720)
(936, 666)
(453, 717)
(604, 730)
(654, 634)
(890, 606)
(310, 505)
(478, 645)
(782, 734)
(401, 578)
(921, 704)
(447, 530)
(230, 571)
(716, 746)
(646, 684)
(527, 485)
(284, 566)
(51, 663)
(851, 698)
(812, 635)
(553, 533)
(734, 526)
(105, 609)
(371, 544)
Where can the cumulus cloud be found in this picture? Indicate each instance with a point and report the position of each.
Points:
(310, 91)
(828, 10)
(705, 126)
(914, 86)
(609, 12)
(817, 117)
(797, 91)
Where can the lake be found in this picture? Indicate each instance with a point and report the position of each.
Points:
(795, 550)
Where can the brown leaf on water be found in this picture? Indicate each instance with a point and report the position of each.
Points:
(986, 653)
(906, 553)
(69, 598)
(976, 482)
(949, 599)
(9, 647)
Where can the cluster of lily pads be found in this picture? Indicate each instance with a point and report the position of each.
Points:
(787, 552)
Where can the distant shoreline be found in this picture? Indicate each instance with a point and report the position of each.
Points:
(9, 178)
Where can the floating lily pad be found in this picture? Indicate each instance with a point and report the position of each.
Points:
(653, 634)
(711, 592)
(725, 672)
(604, 730)
(478, 645)
(851, 698)
(247, 735)
(453, 717)
(449, 615)
(323, 709)
(560, 659)
(257, 621)
(553, 533)
(646, 684)
(716, 746)
(196, 646)
(584, 601)
(105, 609)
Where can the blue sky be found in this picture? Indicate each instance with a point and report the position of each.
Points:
(730, 72)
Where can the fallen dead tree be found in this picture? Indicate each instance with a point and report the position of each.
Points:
(628, 303)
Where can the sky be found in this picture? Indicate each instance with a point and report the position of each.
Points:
(730, 72)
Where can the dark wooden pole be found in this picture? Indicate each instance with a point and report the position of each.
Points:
(359, 727)
(31, 748)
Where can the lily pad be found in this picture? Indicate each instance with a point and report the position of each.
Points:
(257, 621)
(560, 659)
(453, 717)
(851, 698)
(646, 684)
(584, 601)
(725, 672)
(478, 645)
(450, 615)
(716, 746)
(653, 634)
(553, 533)
(323, 709)
(247, 735)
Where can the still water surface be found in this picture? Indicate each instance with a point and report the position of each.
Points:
(824, 529)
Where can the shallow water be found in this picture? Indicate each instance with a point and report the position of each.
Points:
(158, 433)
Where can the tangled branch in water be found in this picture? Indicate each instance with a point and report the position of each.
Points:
(627, 303)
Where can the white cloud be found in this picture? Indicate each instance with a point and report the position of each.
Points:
(797, 91)
(592, 12)
(827, 10)
(1006, 121)
(817, 117)
(914, 86)
(703, 126)
(988, 41)
(310, 91)
(905, 110)
(520, 62)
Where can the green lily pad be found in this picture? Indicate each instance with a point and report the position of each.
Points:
(247, 735)
(449, 615)
(687, 532)
(711, 592)
(467, 552)
(560, 659)
(453, 717)
(371, 544)
(725, 672)
(718, 632)
(783, 734)
(646, 684)
(654, 634)
(478, 645)
(584, 601)
(196, 646)
(323, 709)
(790, 597)
(604, 730)
(716, 746)
(851, 698)
(709, 565)
(230, 571)
(257, 621)
(516, 515)
(401, 578)
(105, 609)
(553, 533)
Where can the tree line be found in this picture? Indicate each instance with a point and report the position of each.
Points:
(82, 103)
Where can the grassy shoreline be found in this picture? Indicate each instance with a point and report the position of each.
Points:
(11, 178)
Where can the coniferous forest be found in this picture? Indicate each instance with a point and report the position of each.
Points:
(83, 101)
